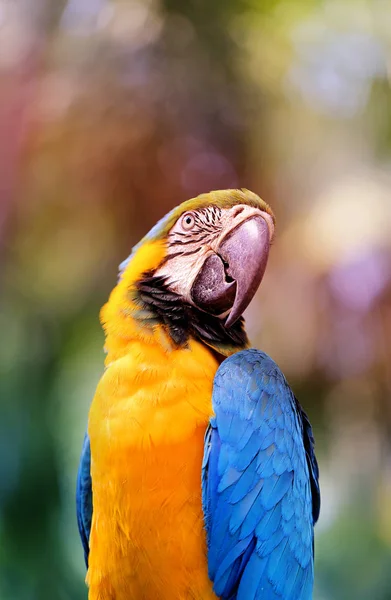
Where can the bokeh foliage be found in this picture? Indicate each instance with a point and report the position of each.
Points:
(114, 111)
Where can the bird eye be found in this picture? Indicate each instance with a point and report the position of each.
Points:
(187, 221)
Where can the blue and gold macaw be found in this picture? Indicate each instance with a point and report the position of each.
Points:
(198, 478)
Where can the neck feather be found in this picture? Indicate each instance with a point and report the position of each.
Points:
(141, 308)
(182, 321)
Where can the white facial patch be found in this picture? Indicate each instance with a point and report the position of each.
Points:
(196, 235)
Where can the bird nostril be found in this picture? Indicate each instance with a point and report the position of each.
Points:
(237, 211)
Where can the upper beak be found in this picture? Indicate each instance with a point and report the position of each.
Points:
(229, 278)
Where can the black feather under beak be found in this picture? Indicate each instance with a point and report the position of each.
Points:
(229, 278)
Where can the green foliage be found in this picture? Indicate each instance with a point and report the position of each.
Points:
(113, 113)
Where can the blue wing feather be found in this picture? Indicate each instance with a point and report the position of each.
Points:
(260, 485)
(84, 497)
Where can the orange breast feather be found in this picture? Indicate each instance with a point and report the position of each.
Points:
(146, 426)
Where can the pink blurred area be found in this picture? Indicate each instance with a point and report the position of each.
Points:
(113, 112)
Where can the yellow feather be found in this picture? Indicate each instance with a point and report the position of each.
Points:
(146, 425)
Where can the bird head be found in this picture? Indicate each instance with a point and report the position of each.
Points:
(203, 264)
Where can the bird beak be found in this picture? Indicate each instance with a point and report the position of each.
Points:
(231, 275)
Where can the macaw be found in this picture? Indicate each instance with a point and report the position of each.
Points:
(198, 477)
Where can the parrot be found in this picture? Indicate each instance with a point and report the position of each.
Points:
(198, 477)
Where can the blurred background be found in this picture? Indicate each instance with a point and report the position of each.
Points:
(111, 113)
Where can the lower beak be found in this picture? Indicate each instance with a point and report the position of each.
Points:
(229, 278)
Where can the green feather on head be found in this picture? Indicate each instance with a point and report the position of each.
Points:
(219, 198)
